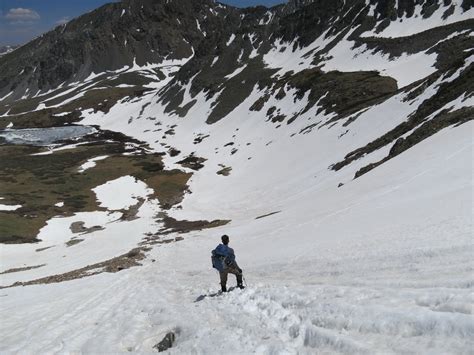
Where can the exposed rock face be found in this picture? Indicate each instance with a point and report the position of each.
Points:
(139, 32)
(107, 39)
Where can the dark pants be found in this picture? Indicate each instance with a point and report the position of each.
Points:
(223, 274)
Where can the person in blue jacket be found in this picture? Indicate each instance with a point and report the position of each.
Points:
(223, 259)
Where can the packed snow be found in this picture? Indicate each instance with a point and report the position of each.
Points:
(121, 193)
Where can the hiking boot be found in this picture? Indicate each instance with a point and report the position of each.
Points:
(241, 286)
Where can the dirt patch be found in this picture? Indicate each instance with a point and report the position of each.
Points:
(225, 171)
(20, 269)
(78, 227)
(172, 225)
(169, 187)
(267, 215)
(154, 239)
(130, 214)
(42, 249)
(73, 242)
(116, 264)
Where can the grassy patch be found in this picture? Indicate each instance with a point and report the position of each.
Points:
(169, 186)
(37, 183)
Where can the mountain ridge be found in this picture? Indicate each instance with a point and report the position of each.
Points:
(204, 50)
(149, 32)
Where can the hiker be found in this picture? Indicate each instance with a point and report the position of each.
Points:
(223, 259)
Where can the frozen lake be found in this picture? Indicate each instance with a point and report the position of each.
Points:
(44, 136)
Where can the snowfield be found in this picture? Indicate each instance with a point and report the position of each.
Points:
(380, 264)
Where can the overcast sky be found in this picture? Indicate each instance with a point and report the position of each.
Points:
(22, 20)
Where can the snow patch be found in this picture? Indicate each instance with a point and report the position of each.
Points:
(230, 40)
(284, 57)
(91, 163)
(121, 193)
(235, 72)
(9, 207)
(406, 69)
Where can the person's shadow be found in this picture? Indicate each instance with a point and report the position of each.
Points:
(211, 295)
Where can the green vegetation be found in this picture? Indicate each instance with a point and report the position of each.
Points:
(38, 182)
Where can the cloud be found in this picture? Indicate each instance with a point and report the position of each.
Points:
(21, 15)
(63, 21)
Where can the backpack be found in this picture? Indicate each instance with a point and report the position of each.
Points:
(217, 261)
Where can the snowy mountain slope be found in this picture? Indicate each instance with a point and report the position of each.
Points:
(345, 280)
(340, 154)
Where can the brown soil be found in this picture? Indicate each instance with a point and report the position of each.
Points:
(267, 215)
(20, 269)
(73, 242)
(172, 225)
(41, 249)
(225, 171)
(116, 264)
(78, 227)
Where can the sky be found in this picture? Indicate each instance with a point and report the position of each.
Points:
(23, 20)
